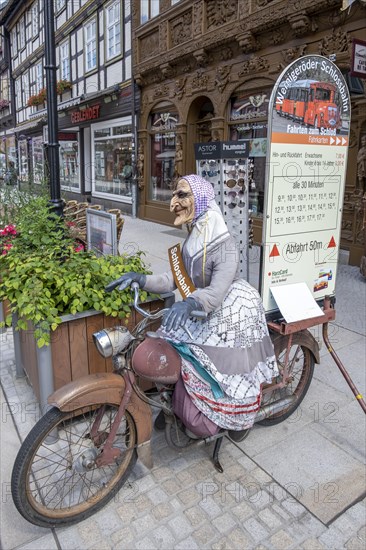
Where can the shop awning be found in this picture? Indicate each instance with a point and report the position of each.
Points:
(28, 125)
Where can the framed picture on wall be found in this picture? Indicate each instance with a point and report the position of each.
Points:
(101, 232)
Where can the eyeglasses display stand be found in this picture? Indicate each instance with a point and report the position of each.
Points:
(229, 175)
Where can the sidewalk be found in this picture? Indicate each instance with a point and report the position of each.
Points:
(296, 485)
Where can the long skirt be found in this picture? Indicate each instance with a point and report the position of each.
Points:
(234, 347)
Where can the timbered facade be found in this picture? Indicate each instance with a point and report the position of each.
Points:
(96, 100)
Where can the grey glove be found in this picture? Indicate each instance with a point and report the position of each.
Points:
(179, 313)
(126, 280)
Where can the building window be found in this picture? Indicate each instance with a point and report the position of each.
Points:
(163, 142)
(64, 61)
(14, 42)
(18, 94)
(35, 19)
(112, 159)
(37, 160)
(38, 77)
(21, 34)
(26, 89)
(113, 29)
(23, 160)
(90, 45)
(59, 5)
(148, 10)
(69, 161)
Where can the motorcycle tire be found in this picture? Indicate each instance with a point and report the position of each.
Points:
(55, 481)
(301, 361)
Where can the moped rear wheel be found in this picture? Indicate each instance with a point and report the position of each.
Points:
(301, 369)
(55, 479)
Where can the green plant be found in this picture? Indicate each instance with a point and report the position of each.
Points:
(42, 287)
(44, 277)
(63, 85)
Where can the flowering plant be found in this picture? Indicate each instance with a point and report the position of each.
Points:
(37, 99)
(4, 103)
(6, 237)
(63, 85)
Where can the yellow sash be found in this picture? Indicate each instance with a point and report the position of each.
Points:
(181, 277)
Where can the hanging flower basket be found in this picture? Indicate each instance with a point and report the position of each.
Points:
(37, 99)
(63, 85)
(4, 104)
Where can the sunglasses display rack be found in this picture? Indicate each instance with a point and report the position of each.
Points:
(210, 169)
(235, 206)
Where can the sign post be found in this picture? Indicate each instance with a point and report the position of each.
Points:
(309, 124)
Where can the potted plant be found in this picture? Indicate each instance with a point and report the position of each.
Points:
(4, 104)
(63, 85)
(49, 283)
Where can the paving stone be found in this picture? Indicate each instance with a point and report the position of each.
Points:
(312, 525)
(242, 511)
(195, 516)
(162, 511)
(144, 544)
(127, 512)
(345, 525)
(269, 519)
(43, 543)
(210, 507)
(108, 521)
(162, 473)
(355, 543)
(358, 513)
(143, 503)
(186, 477)
(281, 540)
(224, 523)
(312, 544)
(171, 486)
(332, 538)
(143, 524)
(189, 496)
(100, 545)
(123, 539)
(205, 534)
(293, 507)
(239, 539)
(163, 538)
(70, 538)
(180, 526)
(89, 531)
(280, 511)
(255, 529)
(187, 544)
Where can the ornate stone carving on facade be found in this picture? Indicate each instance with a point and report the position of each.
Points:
(163, 36)
(222, 77)
(217, 134)
(179, 87)
(199, 81)
(300, 23)
(290, 54)
(149, 45)
(352, 219)
(201, 57)
(162, 90)
(225, 54)
(255, 64)
(181, 29)
(197, 18)
(361, 166)
(178, 160)
(277, 37)
(140, 166)
(219, 13)
(139, 79)
(336, 41)
(167, 70)
(247, 42)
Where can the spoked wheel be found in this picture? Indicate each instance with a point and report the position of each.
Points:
(56, 480)
(301, 369)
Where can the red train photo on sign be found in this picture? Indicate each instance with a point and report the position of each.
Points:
(311, 102)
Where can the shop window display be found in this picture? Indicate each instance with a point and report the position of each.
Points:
(163, 151)
(38, 159)
(69, 165)
(23, 160)
(112, 164)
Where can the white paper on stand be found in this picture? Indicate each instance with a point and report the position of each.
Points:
(296, 302)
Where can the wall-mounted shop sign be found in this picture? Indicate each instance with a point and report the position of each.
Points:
(358, 63)
(309, 124)
(83, 115)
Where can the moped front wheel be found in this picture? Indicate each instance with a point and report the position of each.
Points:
(56, 480)
(300, 371)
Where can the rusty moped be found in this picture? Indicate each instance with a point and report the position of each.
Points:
(82, 451)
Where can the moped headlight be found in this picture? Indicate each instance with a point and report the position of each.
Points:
(111, 341)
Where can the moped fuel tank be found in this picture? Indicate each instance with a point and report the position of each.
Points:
(156, 360)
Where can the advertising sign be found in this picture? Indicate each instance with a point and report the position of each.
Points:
(309, 123)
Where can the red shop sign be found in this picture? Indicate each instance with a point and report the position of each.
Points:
(90, 113)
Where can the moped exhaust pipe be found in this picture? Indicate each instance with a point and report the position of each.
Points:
(274, 408)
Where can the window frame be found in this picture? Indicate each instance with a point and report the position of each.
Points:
(35, 18)
(85, 27)
(21, 35)
(62, 59)
(59, 6)
(38, 77)
(150, 14)
(115, 56)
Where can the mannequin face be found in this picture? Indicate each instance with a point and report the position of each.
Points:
(182, 203)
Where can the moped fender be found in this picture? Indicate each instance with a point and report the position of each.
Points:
(107, 388)
(301, 338)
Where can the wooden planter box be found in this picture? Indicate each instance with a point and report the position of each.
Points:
(72, 351)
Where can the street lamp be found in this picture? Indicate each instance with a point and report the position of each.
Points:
(52, 116)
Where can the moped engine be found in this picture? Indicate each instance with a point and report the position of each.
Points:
(155, 359)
